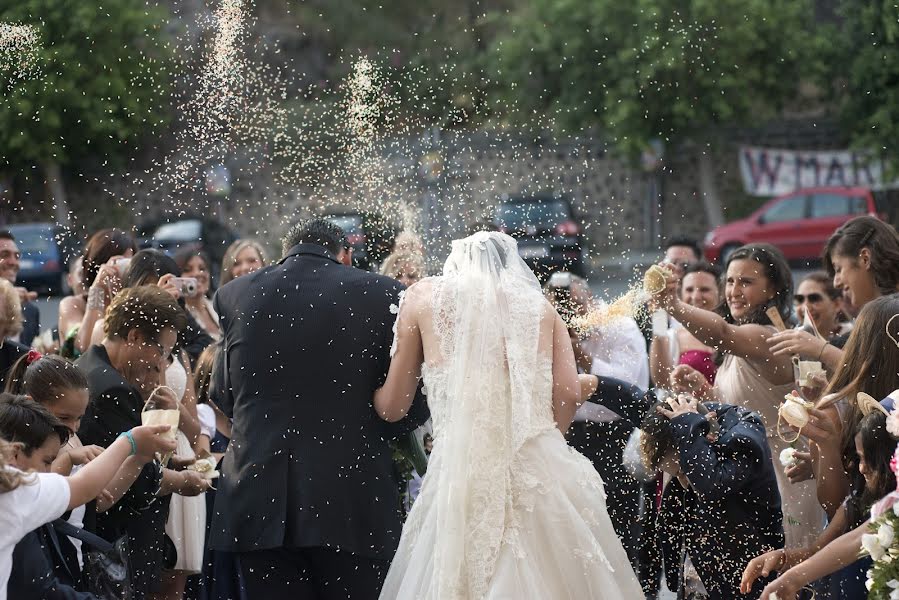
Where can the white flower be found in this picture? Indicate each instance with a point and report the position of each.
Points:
(893, 423)
(871, 544)
(394, 309)
(788, 457)
(773, 596)
(885, 535)
(869, 584)
(896, 508)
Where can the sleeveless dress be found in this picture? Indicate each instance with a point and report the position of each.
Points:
(537, 525)
(702, 361)
(739, 381)
(186, 526)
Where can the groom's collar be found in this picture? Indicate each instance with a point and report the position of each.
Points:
(309, 250)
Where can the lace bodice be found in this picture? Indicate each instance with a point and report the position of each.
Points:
(540, 401)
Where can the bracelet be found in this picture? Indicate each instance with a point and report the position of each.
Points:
(130, 437)
(95, 299)
(824, 347)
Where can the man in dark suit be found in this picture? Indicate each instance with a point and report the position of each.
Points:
(308, 496)
(9, 270)
(722, 507)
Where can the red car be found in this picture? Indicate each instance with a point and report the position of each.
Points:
(800, 223)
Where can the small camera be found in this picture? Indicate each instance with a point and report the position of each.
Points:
(187, 286)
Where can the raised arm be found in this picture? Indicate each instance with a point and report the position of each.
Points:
(393, 400)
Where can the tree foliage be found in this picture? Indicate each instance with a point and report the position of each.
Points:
(100, 82)
(648, 69)
(870, 107)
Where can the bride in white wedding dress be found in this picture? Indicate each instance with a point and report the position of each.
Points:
(507, 509)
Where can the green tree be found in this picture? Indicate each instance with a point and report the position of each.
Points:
(672, 70)
(99, 84)
(870, 98)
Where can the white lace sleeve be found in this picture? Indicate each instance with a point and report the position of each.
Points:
(395, 309)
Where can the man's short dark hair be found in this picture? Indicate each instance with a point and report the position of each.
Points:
(321, 232)
(703, 267)
(682, 240)
(6, 235)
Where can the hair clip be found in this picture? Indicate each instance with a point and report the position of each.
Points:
(32, 356)
(866, 238)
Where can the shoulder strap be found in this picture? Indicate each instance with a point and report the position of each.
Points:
(66, 528)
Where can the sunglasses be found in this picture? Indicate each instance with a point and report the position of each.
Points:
(812, 298)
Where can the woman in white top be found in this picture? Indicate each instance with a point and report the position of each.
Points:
(196, 264)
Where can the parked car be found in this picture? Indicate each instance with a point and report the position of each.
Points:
(369, 234)
(46, 250)
(549, 236)
(800, 223)
(193, 232)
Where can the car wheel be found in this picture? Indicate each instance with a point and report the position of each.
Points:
(727, 250)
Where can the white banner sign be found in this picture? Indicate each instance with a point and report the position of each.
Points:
(772, 172)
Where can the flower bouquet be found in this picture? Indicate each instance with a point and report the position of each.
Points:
(882, 544)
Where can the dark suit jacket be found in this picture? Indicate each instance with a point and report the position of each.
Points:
(731, 513)
(115, 407)
(306, 344)
(31, 323)
(45, 567)
(624, 399)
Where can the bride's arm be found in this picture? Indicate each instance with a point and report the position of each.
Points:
(393, 400)
(568, 390)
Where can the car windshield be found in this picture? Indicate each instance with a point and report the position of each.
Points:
(538, 214)
(180, 230)
(349, 223)
(34, 241)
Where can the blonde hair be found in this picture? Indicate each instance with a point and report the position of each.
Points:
(10, 479)
(231, 257)
(10, 310)
(406, 241)
(399, 262)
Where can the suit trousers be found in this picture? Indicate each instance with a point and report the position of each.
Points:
(311, 574)
(603, 443)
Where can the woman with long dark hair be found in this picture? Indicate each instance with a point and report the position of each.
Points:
(862, 257)
(757, 279)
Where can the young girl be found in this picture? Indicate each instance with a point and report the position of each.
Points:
(28, 500)
(874, 447)
(58, 385)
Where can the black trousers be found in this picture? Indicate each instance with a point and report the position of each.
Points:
(311, 574)
(603, 443)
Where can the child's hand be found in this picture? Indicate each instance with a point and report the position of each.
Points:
(680, 404)
(685, 378)
(149, 441)
(761, 566)
(801, 469)
(84, 454)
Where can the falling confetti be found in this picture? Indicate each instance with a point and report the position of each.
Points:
(19, 46)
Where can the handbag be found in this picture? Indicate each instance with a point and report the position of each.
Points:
(105, 572)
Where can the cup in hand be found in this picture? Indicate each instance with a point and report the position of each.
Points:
(804, 369)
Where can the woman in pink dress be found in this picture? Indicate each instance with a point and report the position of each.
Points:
(700, 288)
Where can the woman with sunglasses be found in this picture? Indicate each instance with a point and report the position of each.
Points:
(817, 296)
(862, 256)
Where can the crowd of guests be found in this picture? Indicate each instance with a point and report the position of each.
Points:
(133, 337)
(684, 428)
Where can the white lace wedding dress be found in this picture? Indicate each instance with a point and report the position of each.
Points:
(507, 509)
